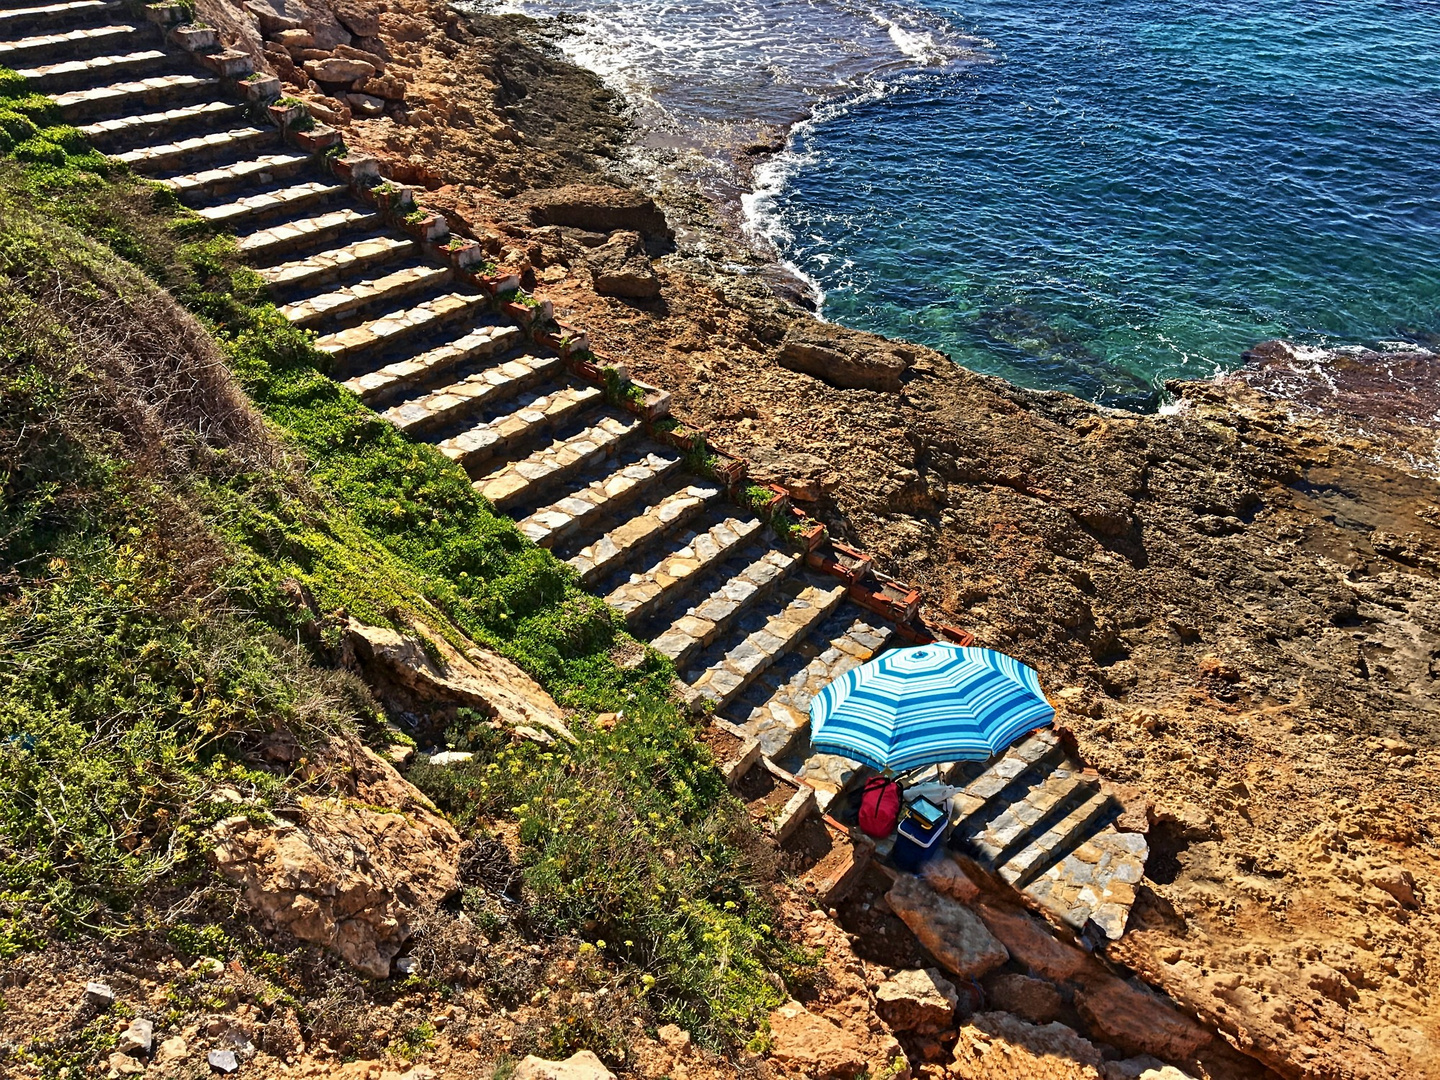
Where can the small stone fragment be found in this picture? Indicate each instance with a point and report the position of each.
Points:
(138, 1038)
(122, 1064)
(172, 1049)
(223, 1061)
(99, 995)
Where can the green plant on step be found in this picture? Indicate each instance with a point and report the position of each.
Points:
(618, 388)
(414, 217)
(757, 496)
(289, 102)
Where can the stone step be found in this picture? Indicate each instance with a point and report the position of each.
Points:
(341, 304)
(1024, 765)
(331, 264)
(134, 97)
(1079, 808)
(192, 150)
(131, 130)
(629, 538)
(727, 678)
(535, 413)
(1094, 883)
(76, 74)
(564, 518)
(519, 482)
(391, 329)
(775, 708)
(71, 44)
(706, 622)
(673, 573)
(271, 203)
(312, 230)
(225, 180)
(17, 21)
(375, 388)
(473, 394)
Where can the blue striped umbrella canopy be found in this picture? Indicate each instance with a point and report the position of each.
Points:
(926, 704)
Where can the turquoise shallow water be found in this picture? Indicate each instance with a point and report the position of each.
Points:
(1119, 192)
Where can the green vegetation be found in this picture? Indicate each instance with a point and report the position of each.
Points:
(159, 562)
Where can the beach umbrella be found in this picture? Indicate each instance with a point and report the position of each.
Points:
(927, 704)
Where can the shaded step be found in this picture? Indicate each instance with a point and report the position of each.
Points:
(195, 149)
(384, 384)
(71, 44)
(266, 204)
(986, 787)
(582, 509)
(223, 180)
(826, 859)
(480, 442)
(775, 708)
(472, 394)
(276, 241)
(331, 264)
(74, 74)
(15, 22)
(123, 131)
(392, 288)
(667, 578)
(132, 98)
(1051, 832)
(1095, 882)
(391, 328)
(521, 481)
(728, 677)
(714, 616)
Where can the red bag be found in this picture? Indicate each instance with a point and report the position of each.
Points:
(879, 807)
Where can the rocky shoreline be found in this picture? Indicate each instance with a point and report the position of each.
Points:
(1235, 605)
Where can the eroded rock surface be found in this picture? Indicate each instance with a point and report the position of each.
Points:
(846, 358)
(347, 875)
(952, 933)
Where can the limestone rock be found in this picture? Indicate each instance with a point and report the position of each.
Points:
(1030, 999)
(952, 933)
(365, 104)
(122, 1064)
(922, 1001)
(1397, 881)
(138, 1038)
(357, 20)
(1143, 1068)
(375, 60)
(479, 679)
(596, 208)
(271, 21)
(172, 1049)
(620, 267)
(814, 1045)
(999, 1046)
(846, 358)
(338, 69)
(1136, 1019)
(385, 87)
(581, 1066)
(1032, 944)
(99, 995)
(347, 877)
(294, 39)
(948, 878)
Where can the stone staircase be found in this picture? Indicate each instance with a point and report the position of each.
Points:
(754, 629)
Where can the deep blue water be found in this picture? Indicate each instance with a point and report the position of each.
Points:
(1095, 196)
(1124, 191)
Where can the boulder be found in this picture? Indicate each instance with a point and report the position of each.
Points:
(357, 20)
(387, 87)
(920, 1001)
(1143, 1068)
(1137, 1020)
(294, 39)
(365, 104)
(596, 208)
(1030, 999)
(999, 1046)
(346, 876)
(948, 878)
(1397, 881)
(434, 671)
(365, 56)
(820, 1049)
(580, 1066)
(1032, 944)
(846, 358)
(338, 69)
(271, 21)
(620, 267)
(952, 933)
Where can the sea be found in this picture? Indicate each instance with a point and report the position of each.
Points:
(1095, 197)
